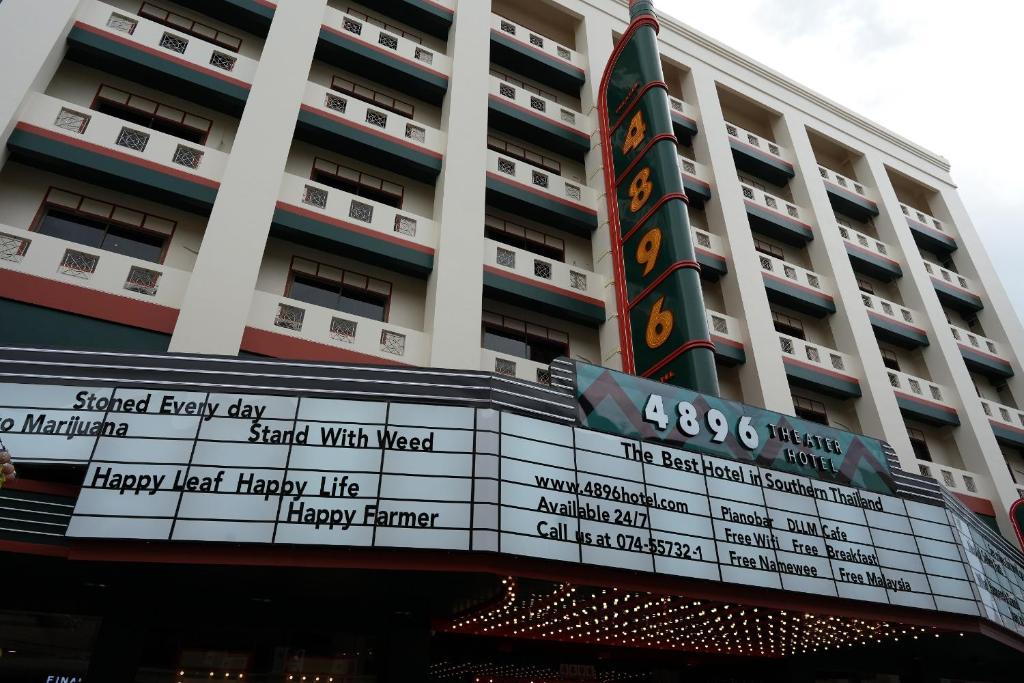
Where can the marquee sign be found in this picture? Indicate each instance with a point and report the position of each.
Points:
(663, 328)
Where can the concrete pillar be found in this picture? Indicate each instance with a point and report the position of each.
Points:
(974, 438)
(763, 376)
(215, 308)
(877, 410)
(594, 39)
(455, 289)
(30, 54)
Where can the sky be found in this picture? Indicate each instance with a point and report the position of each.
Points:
(945, 75)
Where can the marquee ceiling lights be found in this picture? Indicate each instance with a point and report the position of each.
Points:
(609, 616)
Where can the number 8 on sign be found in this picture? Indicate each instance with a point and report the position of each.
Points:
(640, 189)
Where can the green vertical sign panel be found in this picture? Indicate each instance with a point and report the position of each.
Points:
(663, 324)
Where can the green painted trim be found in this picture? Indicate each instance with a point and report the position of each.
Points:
(34, 326)
(872, 264)
(579, 143)
(422, 15)
(696, 189)
(433, 80)
(728, 354)
(253, 7)
(760, 164)
(926, 412)
(687, 125)
(120, 174)
(330, 237)
(820, 380)
(799, 298)
(546, 210)
(956, 297)
(897, 333)
(711, 265)
(158, 65)
(535, 297)
(985, 364)
(1007, 435)
(566, 73)
(849, 203)
(931, 239)
(425, 163)
(778, 226)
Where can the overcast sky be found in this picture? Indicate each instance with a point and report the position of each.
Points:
(945, 75)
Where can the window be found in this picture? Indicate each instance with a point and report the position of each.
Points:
(384, 25)
(890, 360)
(524, 85)
(323, 285)
(102, 225)
(523, 340)
(146, 112)
(785, 324)
(361, 92)
(769, 249)
(189, 26)
(752, 183)
(523, 154)
(918, 443)
(524, 238)
(865, 286)
(357, 183)
(809, 409)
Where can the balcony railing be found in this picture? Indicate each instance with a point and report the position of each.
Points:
(924, 219)
(537, 41)
(706, 240)
(801, 276)
(157, 38)
(1006, 415)
(376, 120)
(59, 260)
(378, 38)
(513, 366)
(842, 181)
(575, 192)
(888, 309)
(725, 326)
(957, 480)
(694, 169)
(77, 123)
(916, 386)
(770, 201)
(680, 107)
(955, 279)
(298, 319)
(816, 354)
(541, 106)
(865, 241)
(542, 270)
(761, 143)
(976, 341)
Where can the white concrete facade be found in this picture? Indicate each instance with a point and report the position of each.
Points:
(230, 265)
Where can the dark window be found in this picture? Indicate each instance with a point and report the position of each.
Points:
(865, 286)
(769, 249)
(890, 360)
(358, 183)
(786, 324)
(524, 238)
(524, 85)
(918, 443)
(145, 112)
(809, 409)
(190, 26)
(523, 340)
(345, 291)
(522, 154)
(370, 95)
(390, 28)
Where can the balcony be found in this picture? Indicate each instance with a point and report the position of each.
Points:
(710, 253)
(759, 157)
(285, 328)
(960, 482)
(727, 336)
(684, 119)
(356, 45)
(253, 16)
(796, 287)
(78, 142)
(923, 400)
(695, 181)
(528, 116)
(775, 217)
(432, 16)
(847, 196)
(953, 289)
(1007, 423)
(341, 223)
(66, 276)
(928, 232)
(514, 366)
(542, 284)
(350, 126)
(870, 256)
(121, 43)
(893, 323)
(520, 49)
(526, 190)
(981, 354)
(819, 368)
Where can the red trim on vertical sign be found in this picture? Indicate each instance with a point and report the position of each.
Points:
(634, 99)
(1013, 518)
(647, 148)
(678, 265)
(654, 209)
(688, 346)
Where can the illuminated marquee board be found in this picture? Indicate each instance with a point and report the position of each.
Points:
(287, 470)
(665, 335)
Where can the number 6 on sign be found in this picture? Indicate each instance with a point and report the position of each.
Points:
(659, 325)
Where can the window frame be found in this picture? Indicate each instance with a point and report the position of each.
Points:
(525, 332)
(810, 408)
(98, 98)
(360, 176)
(500, 225)
(890, 355)
(917, 437)
(790, 322)
(769, 249)
(521, 153)
(381, 24)
(354, 92)
(292, 272)
(190, 30)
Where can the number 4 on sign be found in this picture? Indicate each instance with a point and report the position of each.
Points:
(654, 412)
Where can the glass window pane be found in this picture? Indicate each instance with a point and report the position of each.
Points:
(134, 243)
(546, 350)
(316, 292)
(363, 303)
(69, 226)
(504, 341)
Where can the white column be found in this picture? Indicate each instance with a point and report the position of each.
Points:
(33, 45)
(974, 438)
(594, 39)
(877, 410)
(215, 308)
(455, 289)
(763, 376)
